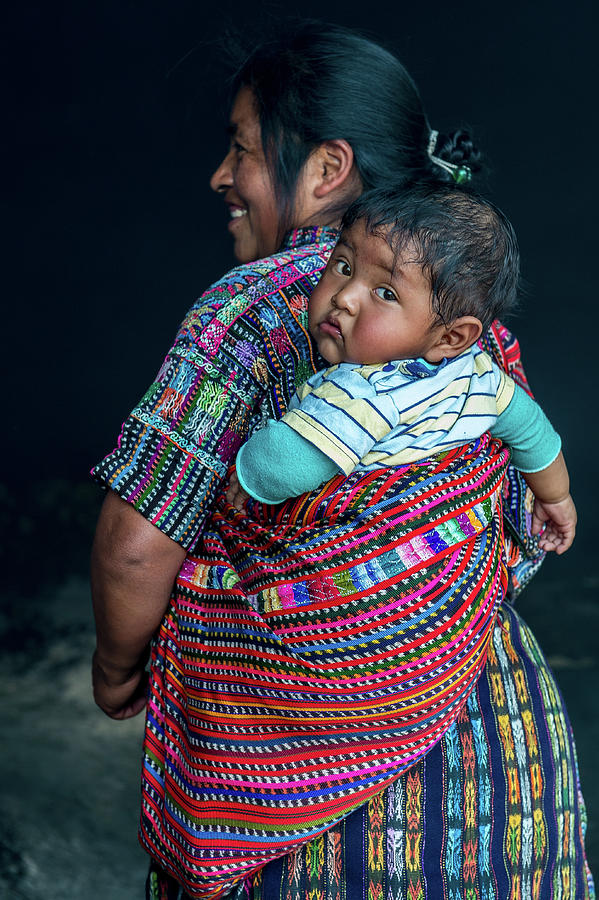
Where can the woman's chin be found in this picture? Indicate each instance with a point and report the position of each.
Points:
(244, 250)
(244, 244)
(242, 254)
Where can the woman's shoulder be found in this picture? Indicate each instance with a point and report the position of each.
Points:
(262, 300)
(269, 295)
(297, 261)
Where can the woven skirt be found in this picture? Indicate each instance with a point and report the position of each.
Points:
(494, 810)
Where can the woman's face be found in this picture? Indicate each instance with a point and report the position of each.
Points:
(244, 180)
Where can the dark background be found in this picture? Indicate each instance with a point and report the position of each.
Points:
(113, 123)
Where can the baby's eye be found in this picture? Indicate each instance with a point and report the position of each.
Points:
(342, 267)
(386, 294)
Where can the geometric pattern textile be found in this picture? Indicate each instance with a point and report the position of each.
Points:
(311, 653)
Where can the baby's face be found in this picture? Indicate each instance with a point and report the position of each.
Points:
(370, 308)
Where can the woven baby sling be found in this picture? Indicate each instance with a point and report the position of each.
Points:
(311, 653)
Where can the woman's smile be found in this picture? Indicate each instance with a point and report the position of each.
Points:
(244, 180)
(236, 212)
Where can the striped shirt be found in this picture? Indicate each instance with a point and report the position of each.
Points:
(395, 413)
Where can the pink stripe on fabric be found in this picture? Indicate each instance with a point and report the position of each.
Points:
(431, 656)
(172, 496)
(139, 488)
(435, 655)
(365, 615)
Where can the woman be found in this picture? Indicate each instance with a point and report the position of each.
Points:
(493, 809)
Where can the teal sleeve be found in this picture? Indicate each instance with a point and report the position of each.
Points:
(526, 429)
(277, 463)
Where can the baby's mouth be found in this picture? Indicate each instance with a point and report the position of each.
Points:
(331, 327)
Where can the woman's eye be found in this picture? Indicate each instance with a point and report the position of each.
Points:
(342, 267)
(386, 294)
(238, 148)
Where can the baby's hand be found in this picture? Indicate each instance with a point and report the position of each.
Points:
(561, 524)
(235, 493)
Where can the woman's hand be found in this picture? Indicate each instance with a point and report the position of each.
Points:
(559, 519)
(119, 695)
(235, 493)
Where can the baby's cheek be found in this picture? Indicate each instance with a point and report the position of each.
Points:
(370, 337)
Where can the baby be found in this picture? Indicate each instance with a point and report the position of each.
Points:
(416, 277)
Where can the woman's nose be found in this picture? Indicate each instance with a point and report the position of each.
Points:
(222, 178)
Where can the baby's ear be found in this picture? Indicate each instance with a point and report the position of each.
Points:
(455, 338)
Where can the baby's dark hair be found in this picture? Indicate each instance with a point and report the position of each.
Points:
(465, 245)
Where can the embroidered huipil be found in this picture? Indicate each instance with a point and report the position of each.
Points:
(234, 363)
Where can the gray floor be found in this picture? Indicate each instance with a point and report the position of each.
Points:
(69, 802)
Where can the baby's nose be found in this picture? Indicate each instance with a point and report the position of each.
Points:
(346, 299)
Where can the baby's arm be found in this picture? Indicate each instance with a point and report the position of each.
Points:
(277, 463)
(536, 452)
(331, 423)
(553, 505)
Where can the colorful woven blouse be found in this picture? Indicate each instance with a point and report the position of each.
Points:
(234, 363)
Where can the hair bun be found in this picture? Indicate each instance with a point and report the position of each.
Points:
(458, 149)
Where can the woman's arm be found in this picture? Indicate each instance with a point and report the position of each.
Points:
(163, 475)
(175, 449)
(134, 566)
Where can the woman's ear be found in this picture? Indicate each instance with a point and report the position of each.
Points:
(332, 166)
(329, 181)
(455, 338)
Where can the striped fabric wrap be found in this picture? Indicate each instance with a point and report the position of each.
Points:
(313, 652)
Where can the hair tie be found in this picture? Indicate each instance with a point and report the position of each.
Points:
(461, 174)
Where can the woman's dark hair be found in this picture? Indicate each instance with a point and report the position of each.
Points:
(465, 245)
(319, 82)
